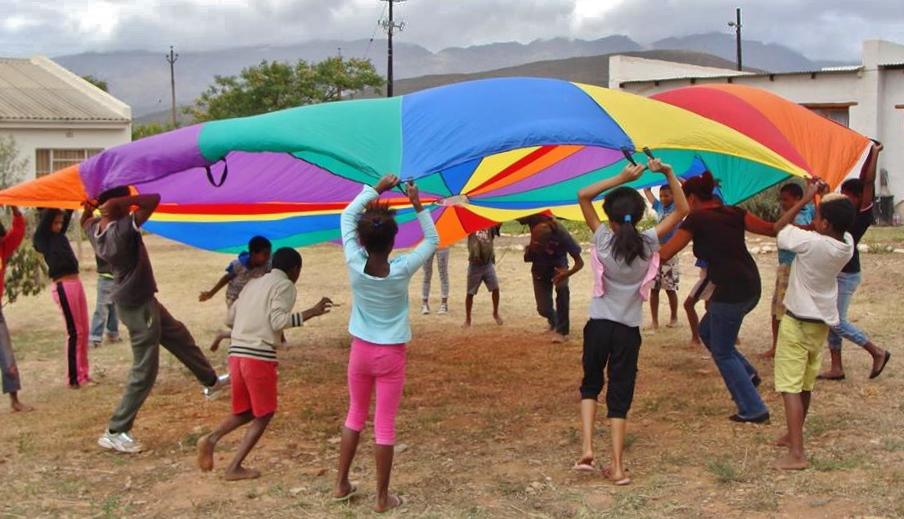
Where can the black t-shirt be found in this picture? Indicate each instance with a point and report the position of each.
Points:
(718, 234)
(55, 247)
(862, 222)
(554, 248)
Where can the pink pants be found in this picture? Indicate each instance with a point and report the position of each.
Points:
(69, 295)
(382, 366)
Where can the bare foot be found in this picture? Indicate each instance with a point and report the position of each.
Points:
(19, 407)
(558, 338)
(789, 462)
(782, 441)
(695, 343)
(498, 319)
(393, 501)
(768, 354)
(467, 323)
(673, 323)
(241, 473)
(205, 453)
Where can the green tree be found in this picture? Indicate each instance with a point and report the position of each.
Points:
(276, 85)
(26, 273)
(99, 83)
(146, 130)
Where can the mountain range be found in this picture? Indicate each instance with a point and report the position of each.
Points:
(141, 78)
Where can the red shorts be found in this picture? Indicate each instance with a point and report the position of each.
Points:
(253, 386)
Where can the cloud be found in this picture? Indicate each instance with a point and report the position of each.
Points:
(827, 29)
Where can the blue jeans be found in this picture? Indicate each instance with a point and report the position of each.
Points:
(719, 331)
(104, 312)
(847, 285)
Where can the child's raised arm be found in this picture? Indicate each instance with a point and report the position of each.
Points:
(348, 222)
(681, 206)
(587, 194)
(431, 238)
(648, 192)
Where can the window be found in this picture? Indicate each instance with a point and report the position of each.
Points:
(839, 114)
(47, 160)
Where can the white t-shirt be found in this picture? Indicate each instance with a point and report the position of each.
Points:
(812, 288)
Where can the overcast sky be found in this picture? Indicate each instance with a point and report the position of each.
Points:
(822, 29)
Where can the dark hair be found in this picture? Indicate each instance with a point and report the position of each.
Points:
(838, 211)
(665, 188)
(259, 244)
(116, 192)
(853, 186)
(625, 206)
(377, 227)
(702, 186)
(793, 189)
(2, 230)
(286, 259)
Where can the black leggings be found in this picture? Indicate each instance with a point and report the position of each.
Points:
(614, 347)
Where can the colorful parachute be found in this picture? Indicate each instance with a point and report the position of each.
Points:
(481, 152)
(822, 147)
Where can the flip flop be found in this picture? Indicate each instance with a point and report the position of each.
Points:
(400, 505)
(619, 483)
(347, 497)
(583, 466)
(829, 377)
(878, 372)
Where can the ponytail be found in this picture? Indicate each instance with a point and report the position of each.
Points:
(625, 207)
(701, 187)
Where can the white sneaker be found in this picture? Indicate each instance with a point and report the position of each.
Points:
(425, 309)
(211, 392)
(121, 442)
(443, 309)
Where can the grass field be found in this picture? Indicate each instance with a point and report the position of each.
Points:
(489, 422)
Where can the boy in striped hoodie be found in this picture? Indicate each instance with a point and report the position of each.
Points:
(258, 317)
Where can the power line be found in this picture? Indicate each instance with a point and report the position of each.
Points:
(374, 34)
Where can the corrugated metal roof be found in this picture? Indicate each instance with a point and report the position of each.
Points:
(29, 92)
(830, 70)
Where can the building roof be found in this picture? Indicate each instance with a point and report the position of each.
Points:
(39, 90)
(732, 77)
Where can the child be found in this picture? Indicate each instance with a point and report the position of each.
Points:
(702, 291)
(379, 326)
(9, 242)
(257, 317)
(860, 191)
(442, 264)
(789, 195)
(116, 238)
(482, 269)
(550, 246)
(251, 264)
(810, 308)
(68, 293)
(104, 309)
(668, 276)
(628, 261)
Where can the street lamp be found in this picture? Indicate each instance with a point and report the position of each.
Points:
(737, 26)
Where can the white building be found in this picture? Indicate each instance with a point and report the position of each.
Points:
(869, 98)
(57, 118)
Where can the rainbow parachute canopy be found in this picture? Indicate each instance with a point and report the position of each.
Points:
(481, 152)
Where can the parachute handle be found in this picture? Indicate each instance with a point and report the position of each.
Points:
(213, 182)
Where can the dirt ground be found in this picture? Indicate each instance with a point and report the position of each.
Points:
(489, 423)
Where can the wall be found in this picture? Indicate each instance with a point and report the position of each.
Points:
(632, 68)
(30, 138)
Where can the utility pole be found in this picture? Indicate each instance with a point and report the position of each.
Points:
(737, 26)
(342, 72)
(390, 25)
(171, 58)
